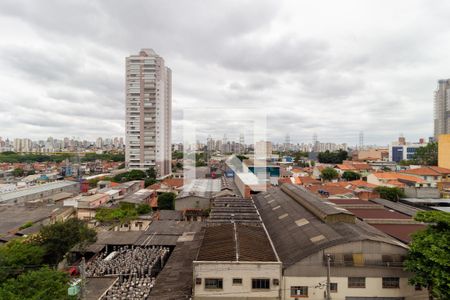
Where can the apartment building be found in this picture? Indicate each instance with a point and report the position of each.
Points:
(148, 112)
(442, 108)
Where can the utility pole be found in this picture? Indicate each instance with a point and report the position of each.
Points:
(83, 278)
(328, 276)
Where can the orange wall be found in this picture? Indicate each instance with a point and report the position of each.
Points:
(444, 151)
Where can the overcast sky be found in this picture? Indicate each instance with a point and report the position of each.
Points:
(334, 68)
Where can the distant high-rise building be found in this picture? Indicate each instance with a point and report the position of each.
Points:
(442, 108)
(148, 113)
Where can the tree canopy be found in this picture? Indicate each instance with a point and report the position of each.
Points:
(429, 255)
(329, 174)
(16, 255)
(58, 238)
(166, 201)
(336, 157)
(427, 155)
(350, 175)
(42, 284)
(390, 193)
(122, 214)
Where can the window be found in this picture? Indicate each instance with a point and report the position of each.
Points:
(260, 283)
(391, 282)
(198, 281)
(276, 281)
(333, 287)
(213, 283)
(237, 281)
(297, 291)
(357, 282)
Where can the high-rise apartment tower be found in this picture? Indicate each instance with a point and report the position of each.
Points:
(148, 113)
(442, 108)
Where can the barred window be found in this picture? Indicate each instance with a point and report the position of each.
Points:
(333, 287)
(391, 282)
(357, 282)
(213, 283)
(260, 283)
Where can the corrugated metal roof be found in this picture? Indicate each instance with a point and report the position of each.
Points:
(401, 232)
(36, 189)
(296, 236)
(235, 242)
(400, 207)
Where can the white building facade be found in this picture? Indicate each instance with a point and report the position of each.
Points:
(148, 113)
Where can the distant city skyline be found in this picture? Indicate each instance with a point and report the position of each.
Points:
(314, 70)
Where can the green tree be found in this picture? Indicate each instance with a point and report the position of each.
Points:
(143, 209)
(151, 173)
(177, 155)
(350, 175)
(329, 174)
(60, 237)
(136, 175)
(166, 201)
(427, 155)
(299, 156)
(42, 284)
(16, 255)
(390, 193)
(149, 182)
(429, 254)
(18, 172)
(336, 157)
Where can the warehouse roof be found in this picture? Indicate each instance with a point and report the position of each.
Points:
(297, 232)
(397, 206)
(401, 232)
(235, 242)
(36, 189)
(201, 188)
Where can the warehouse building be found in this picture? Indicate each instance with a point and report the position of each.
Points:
(236, 262)
(307, 232)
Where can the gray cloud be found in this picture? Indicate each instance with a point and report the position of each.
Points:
(332, 72)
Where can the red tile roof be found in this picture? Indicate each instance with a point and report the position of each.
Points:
(174, 182)
(427, 171)
(284, 180)
(396, 176)
(332, 190)
(306, 180)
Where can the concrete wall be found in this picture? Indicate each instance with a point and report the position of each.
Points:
(192, 202)
(311, 272)
(374, 288)
(228, 271)
(423, 192)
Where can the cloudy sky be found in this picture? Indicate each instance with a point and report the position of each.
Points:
(334, 68)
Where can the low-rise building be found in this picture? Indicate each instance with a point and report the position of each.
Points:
(40, 192)
(308, 232)
(236, 262)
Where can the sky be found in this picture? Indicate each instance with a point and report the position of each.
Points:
(333, 68)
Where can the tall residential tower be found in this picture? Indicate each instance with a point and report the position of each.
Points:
(148, 113)
(442, 108)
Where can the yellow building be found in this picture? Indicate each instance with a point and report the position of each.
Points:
(444, 151)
